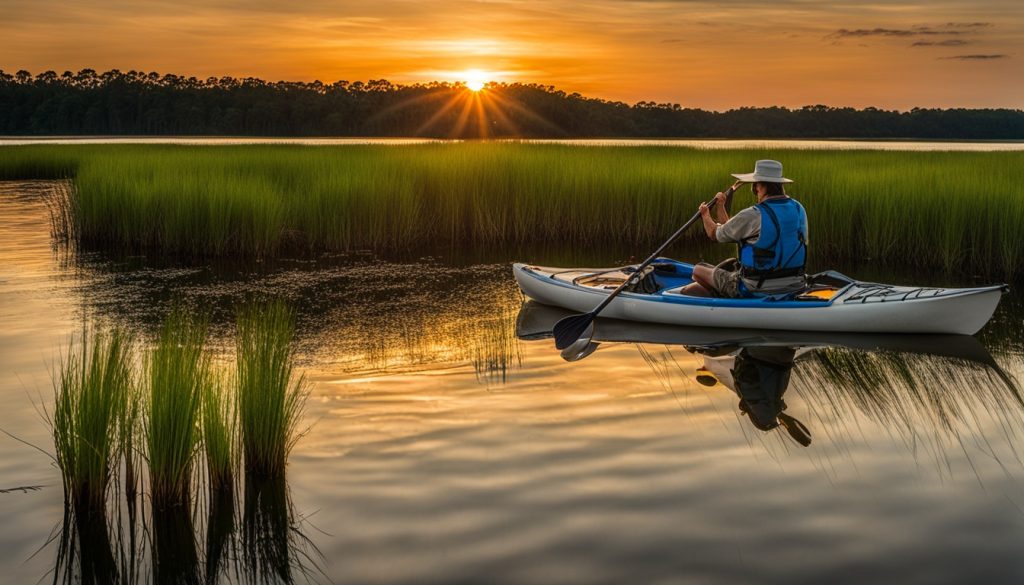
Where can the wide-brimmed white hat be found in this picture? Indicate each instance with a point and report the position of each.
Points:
(765, 171)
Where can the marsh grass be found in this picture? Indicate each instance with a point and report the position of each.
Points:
(179, 373)
(130, 426)
(219, 429)
(494, 348)
(91, 421)
(958, 211)
(185, 414)
(270, 396)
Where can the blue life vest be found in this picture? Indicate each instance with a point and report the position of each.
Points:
(781, 249)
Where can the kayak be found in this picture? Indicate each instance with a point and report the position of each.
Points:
(831, 302)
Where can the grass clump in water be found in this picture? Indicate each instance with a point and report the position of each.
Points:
(94, 389)
(219, 427)
(179, 374)
(270, 397)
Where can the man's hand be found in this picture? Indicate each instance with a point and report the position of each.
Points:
(709, 224)
(720, 199)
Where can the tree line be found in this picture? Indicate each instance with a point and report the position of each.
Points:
(141, 103)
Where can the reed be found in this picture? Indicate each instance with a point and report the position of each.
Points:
(219, 427)
(270, 397)
(179, 374)
(93, 388)
(934, 210)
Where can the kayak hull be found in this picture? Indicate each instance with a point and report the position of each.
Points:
(857, 307)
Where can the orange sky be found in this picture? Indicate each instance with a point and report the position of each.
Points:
(713, 55)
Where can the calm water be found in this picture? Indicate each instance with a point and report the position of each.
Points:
(915, 145)
(451, 443)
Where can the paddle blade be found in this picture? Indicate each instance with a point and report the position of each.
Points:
(571, 329)
(579, 350)
(800, 433)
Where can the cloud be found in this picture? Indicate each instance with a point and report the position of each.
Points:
(894, 32)
(948, 29)
(977, 57)
(945, 43)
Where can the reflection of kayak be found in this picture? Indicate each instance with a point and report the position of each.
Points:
(536, 320)
(834, 303)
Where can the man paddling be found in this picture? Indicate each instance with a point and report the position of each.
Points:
(772, 239)
(759, 376)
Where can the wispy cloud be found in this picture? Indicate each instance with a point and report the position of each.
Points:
(948, 29)
(894, 32)
(977, 57)
(945, 43)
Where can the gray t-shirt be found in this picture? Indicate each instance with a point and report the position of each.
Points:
(745, 226)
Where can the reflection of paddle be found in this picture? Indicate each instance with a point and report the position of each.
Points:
(577, 327)
(796, 429)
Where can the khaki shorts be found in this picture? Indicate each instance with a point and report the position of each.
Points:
(726, 279)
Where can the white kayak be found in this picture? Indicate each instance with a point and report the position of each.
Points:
(832, 302)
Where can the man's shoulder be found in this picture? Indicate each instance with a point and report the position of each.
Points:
(741, 226)
(747, 213)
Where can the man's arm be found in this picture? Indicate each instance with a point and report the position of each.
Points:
(710, 226)
(723, 215)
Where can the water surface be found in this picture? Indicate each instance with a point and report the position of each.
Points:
(713, 144)
(451, 444)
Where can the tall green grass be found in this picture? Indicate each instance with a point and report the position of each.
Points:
(219, 427)
(179, 373)
(94, 390)
(941, 210)
(270, 396)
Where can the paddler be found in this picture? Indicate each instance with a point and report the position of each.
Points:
(771, 235)
(759, 376)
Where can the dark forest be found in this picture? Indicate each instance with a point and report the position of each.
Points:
(139, 103)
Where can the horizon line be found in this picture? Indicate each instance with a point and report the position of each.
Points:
(453, 84)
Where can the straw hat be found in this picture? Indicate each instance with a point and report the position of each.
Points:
(765, 171)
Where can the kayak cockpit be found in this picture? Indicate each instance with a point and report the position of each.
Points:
(667, 278)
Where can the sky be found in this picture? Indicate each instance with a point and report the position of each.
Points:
(895, 54)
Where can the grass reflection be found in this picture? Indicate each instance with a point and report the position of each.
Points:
(175, 559)
(261, 541)
(929, 402)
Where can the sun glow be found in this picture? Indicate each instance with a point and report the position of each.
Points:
(475, 79)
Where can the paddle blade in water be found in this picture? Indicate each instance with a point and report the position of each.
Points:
(800, 433)
(579, 350)
(571, 329)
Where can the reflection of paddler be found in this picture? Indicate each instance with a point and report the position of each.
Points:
(760, 377)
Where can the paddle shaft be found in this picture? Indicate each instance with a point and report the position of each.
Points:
(574, 328)
(654, 256)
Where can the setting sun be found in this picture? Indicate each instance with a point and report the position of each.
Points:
(475, 79)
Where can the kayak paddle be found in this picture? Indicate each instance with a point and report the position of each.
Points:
(796, 429)
(576, 328)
